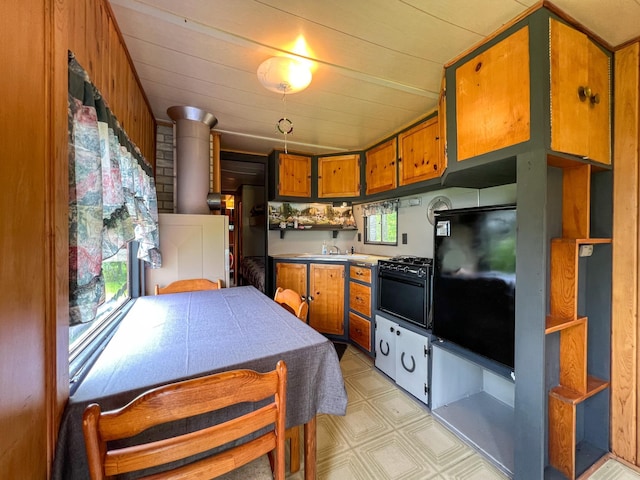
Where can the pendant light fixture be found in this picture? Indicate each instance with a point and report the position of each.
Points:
(284, 74)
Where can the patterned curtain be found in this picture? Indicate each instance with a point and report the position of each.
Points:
(112, 195)
(380, 208)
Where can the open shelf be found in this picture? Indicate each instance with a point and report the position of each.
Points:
(586, 455)
(566, 395)
(314, 228)
(568, 456)
(556, 324)
(581, 241)
(484, 422)
(475, 402)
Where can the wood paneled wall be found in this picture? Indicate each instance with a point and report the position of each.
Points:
(36, 35)
(95, 39)
(625, 354)
(23, 136)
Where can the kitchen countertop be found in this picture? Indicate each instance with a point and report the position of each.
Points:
(345, 257)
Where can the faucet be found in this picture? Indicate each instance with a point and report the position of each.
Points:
(337, 250)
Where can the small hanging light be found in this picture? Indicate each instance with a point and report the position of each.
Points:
(285, 75)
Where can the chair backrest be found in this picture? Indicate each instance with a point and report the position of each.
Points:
(186, 399)
(292, 301)
(190, 285)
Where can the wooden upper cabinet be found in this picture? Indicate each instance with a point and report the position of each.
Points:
(442, 125)
(419, 155)
(493, 97)
(294, 176)
(381, 167)
(339, 176)
(580, 95)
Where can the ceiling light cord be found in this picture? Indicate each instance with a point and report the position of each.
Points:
(284, 125)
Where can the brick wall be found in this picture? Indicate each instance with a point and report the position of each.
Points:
(164, 168)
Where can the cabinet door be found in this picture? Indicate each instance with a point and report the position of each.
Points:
(381, 167)
(339, 176)
(600, 113)
(326, 298)
(569, 59)
(419, 153)
(493, 97)
(294, 176)
(293, 276)
(579, 73)
(385, 345)
(412, 363)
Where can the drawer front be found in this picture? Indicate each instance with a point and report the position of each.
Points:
(360, 331)
(360, 273)
(360, 298)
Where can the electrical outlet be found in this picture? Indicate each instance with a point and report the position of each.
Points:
(404, 238)
(359, 237)
(585, 250)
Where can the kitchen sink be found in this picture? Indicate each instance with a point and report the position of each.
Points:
(329, 258)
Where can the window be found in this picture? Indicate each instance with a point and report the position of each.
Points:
(121, 273)
(381, 223)
(116, 279)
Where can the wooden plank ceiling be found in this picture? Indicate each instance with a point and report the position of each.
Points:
(377, 64)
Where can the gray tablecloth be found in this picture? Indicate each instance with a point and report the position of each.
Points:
(173, 337)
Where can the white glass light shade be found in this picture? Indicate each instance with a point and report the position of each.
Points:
(284, 75)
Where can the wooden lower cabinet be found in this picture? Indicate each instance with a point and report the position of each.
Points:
(322, 285)
(326, 298)
(292, 276)
(360, 298)
(360, 331)
(360, 306)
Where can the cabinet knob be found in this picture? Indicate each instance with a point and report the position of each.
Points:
(584, 93)
(304, 298)
(595, 99)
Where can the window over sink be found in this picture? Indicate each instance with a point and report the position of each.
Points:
(381, 223)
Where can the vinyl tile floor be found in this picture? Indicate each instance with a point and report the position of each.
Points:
(387, 434)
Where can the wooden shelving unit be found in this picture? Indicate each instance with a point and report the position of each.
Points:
(575, 385)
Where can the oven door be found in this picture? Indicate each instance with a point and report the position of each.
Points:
(403, 297)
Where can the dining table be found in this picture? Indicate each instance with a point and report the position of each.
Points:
(173, 337)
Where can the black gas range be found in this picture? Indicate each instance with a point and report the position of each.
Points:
(419, 267)
(404, 288)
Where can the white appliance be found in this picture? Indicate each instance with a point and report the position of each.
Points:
(192, 246)
(404, 356)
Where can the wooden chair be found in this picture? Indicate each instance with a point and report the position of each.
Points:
(191, 285)
(292, 301)
(187, 399)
